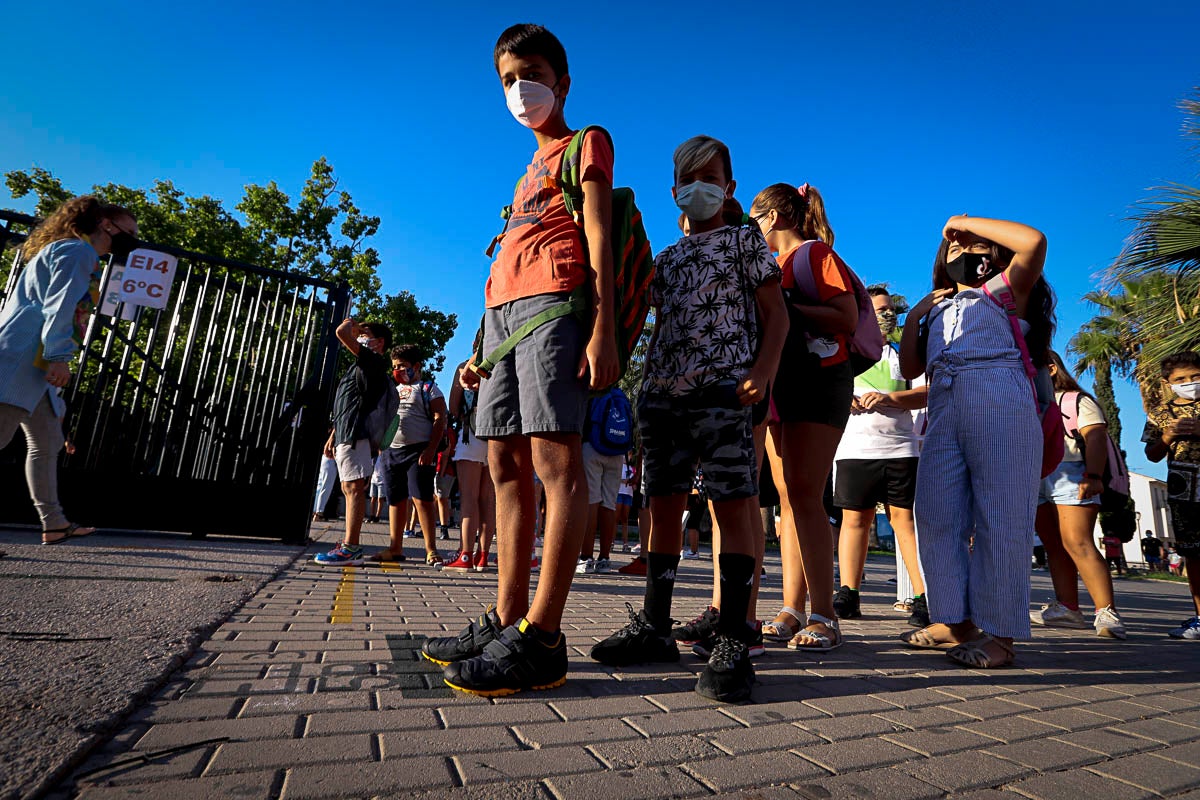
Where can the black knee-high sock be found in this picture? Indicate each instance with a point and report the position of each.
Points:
(737, 578)
(660, 584)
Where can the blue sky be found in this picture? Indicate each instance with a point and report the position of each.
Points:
(1059, 115)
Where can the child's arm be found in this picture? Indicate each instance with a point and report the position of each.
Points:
(907, 399)
(912, 360)
(1095, 459)
(599, 361)
(838, 315)
(347, 334)
(456, 392)
(1028, 244)
(773, 313)
(438, 409)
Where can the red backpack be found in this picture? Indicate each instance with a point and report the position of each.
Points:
(866, 345)
(999, 290)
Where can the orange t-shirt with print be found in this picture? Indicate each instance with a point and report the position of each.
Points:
(830, 276)
(542, 250)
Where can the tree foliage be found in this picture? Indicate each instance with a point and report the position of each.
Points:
(412, 323)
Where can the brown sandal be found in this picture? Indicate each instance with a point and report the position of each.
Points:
(72, 531)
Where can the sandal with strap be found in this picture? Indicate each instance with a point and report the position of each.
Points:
(385, 557)
(72, 531)
(777, 631)
(975, 654)
(820, 642)
(924, 640)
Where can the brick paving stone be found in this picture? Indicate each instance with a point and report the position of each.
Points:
(644, 783)
(964, 688)
(1124, 710)
(1046, 755)
(837, 729)
(914, 698)
(1044, 701)
(680, 701)
(180, 710)
(1107, 741)
(1088, 694)
(172, 766)
(770, 713)
(929, 717)
(1163, 730)
(960, 771)
(766, 793)
(594, 708)
(238, 756)
(513, 790)
(365, 780)
(853, 704)
(857, 754)
(990, 708)
(174, 734)
(1012, 729)
(406, 744)
(781, 736)
(1072, 719)
(696, 721)
(1074, 784)
(1147, 771)
(518, 764)
(729, 773)
(940, 741)
(660, 751)
(247, 786)
(332, 722)
(457, 716)
(306, 703)
(877, 784)
(1184, 753)
(555, 734)
(244, 688)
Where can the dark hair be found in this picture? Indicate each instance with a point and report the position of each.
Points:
(1184, 358)
(527, 39)
(802, 206)
(1039, 310)
(380, 331)
(408, 352)
(1063, 380)
(878, 290)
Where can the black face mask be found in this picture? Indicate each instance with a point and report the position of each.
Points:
(971, 269)
(122, 245)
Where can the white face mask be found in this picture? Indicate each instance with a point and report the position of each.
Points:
(1188, 391)
(531, 102)
(700, 201)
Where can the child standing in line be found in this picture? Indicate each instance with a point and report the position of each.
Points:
(1173, 432)
(978, 477)
(704, 370)
(532, 409)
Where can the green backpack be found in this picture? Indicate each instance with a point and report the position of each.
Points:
(633, 268)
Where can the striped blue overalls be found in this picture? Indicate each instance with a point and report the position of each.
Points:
(978, 473)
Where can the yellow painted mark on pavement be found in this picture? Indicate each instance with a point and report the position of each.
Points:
(389, 566)
(343, 599)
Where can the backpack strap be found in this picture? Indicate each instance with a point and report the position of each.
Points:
(1000, 292)
(802, 273)
(1069, 405)
(484, 365)
(569, 178)
(506, 214)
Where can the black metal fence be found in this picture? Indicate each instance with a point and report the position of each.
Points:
(207, 416)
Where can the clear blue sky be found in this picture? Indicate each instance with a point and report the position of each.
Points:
(1061, 115)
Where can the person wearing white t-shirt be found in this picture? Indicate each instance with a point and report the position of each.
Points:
(876, 462)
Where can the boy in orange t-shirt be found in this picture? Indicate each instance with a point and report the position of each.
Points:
(531, 409)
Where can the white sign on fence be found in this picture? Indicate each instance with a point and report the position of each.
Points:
(147, 278)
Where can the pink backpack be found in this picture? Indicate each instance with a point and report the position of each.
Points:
(1116, 474)
(866, 345)
(999, 290)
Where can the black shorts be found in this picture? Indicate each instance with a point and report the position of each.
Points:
(804, 391)
(403, 476)
(860, 483)
(1185, 519)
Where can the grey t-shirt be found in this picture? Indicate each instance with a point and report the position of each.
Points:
(416, 413)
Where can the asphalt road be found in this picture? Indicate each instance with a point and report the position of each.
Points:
(89, 629)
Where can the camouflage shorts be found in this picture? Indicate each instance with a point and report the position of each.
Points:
(678, 436)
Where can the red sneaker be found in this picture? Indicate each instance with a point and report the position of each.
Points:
(635, 567)
(535, 564)
(481, 561)
(461, 564)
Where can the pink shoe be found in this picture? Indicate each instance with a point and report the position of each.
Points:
(461, 564)
(481, 562)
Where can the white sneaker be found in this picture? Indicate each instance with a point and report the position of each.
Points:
(602, 566)
(1056, 615)
(690, 554)
(1108, 623)
(585, 566)
(634, 550)
(1190, 629)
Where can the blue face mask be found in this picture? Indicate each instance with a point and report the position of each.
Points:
(405, 376)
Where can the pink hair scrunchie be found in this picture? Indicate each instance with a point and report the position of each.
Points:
(803, 189)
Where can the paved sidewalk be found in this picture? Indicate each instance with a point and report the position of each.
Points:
(315, 689)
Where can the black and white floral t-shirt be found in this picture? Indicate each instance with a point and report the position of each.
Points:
(705, 327)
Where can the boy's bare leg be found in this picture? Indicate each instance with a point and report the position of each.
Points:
(606, 521)
(587, 544)
(511, 465)
(424, 510)
(397, 516)
(558, 459)
(356, 508)
(1193, 575)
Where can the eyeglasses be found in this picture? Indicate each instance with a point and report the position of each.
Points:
(757, 217)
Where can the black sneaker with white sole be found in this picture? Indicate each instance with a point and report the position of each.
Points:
(469, 642)
(728, 676)
(518, 659)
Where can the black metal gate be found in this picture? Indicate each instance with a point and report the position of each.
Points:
(207, 416)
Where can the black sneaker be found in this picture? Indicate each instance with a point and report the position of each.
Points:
(920, 613)
(469, 642)
(702, 627)
(636, 643)
(728, 675)
(444, 534)
(845, 603)
(515, 660)
(757, 647)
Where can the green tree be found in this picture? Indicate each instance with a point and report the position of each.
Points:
(412, 323)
